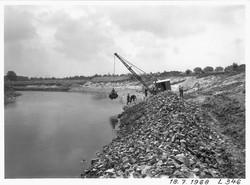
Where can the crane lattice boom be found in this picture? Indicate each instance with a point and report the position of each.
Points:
(133, 72)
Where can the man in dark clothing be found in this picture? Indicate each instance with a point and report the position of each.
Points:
(154, 90)
(146, 92)
(128, 99)
(132, 98)
(181, 91)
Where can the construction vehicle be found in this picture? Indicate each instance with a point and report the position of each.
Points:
(159, 85)
(163, 85)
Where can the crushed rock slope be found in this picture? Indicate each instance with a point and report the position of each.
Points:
(163, 136)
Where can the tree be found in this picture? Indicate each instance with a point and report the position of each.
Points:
(235, 66)
(218, 69)
(11, 75)
(197, 70)
(228, 68)
(22, 78)
(208, 69)
(188, 71)
(241, 67)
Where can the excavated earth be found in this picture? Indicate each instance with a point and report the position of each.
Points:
(165, 136)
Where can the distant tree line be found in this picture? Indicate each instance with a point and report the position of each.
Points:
(231, 68)
(12, 76)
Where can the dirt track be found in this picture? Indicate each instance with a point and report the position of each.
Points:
(223, 97)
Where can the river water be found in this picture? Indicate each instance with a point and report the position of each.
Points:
(48, 134)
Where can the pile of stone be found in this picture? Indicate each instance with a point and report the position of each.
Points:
(189, 83)
(163, 136)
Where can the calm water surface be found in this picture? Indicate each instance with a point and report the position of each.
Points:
(47, 134)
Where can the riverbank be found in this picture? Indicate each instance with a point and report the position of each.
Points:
(10, 94)
(200, 136)
(122, 88)
(165, 136)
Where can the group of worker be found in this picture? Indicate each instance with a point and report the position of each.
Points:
(133, 97)
(130, 98)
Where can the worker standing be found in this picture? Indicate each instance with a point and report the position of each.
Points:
(146, 92)
(181, 91)
(154, 90)
(198, 85)
(128, 98)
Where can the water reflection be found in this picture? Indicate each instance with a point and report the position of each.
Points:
(99, 96)
(114, 121)
(10, 105)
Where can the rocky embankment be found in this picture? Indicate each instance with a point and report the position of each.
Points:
(164, 136)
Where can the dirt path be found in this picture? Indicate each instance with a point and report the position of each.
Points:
(238, 154)
(225, 114)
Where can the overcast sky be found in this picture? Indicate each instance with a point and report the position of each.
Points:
(63, 41)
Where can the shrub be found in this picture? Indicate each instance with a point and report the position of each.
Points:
(219, 69)
(11, 75)
(197, 70)
(228, 69)
(208, 69)
(188, 71)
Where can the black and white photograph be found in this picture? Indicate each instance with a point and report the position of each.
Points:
(125, 90)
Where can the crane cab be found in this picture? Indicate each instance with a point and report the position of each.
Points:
(163, 85)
